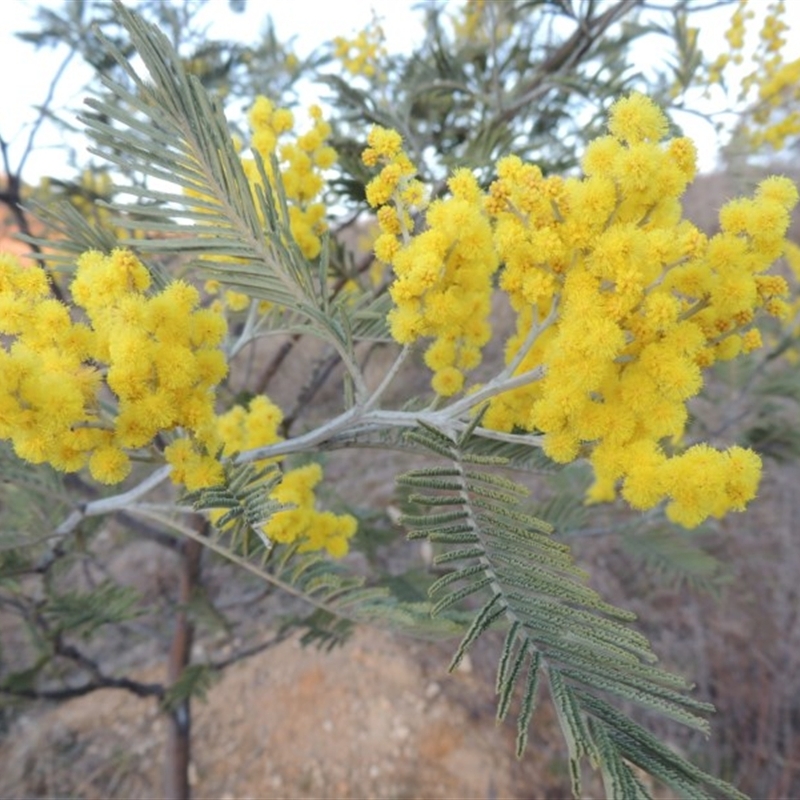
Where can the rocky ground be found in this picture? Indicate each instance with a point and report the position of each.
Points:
(377, 718)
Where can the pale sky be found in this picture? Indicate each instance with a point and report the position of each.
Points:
(310, 20)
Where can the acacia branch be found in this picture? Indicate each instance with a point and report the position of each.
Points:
(100, 680)
(117, 502)
(249, 652)
(44, 108)
(12, 196)
(68, 693)
(566, 56)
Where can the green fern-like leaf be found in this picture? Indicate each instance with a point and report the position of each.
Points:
(85, 612)
(71, 234)
(245, 502)
(338, 598)
(554, 624)
(194, 681)
(672, 555)
(167, 128)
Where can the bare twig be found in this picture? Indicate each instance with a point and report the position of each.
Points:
(99, 680)
(251, 651)
(43, 109)
(566, 56)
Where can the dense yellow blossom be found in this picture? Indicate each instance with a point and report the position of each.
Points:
(156, 356)
(315, 530)
(443, 275)
(300, 161)
(245, 429)
(364, 54)
(772, 87)
(645, 303)
(75, 394)
(257, 426)
(621, 304)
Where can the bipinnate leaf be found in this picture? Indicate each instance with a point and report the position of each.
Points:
(555, 626)
(166, 128)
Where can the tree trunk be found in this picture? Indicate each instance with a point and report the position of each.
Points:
(179, 720)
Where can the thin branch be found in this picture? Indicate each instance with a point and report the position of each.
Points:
(390, 375)
(116, 502)
(248, 329)
(492, 389)
(12, 197)
(139, 689)
(359, 419)
(251, 651)
(43, 109)
(179, 716)
(99, 680)
(75, 482)
(274, 365)
(241, 562)
(531, 337)
(307, 393)
(566, 56)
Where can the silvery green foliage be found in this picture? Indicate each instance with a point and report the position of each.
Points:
(555, 625)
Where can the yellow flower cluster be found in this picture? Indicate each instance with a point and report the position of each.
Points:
(159, 355)
(736, 32)
(773, 84)
(792, 256)
(247, 428)
(471, 23)
(443, 275)
(227, 300)
(631, 302)
(301, 161)
(363, 54)
(468, 21)
(643, 303)
(314, 529)
(244, 429)
(394, 191)
(74, 394)
(735, 36)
